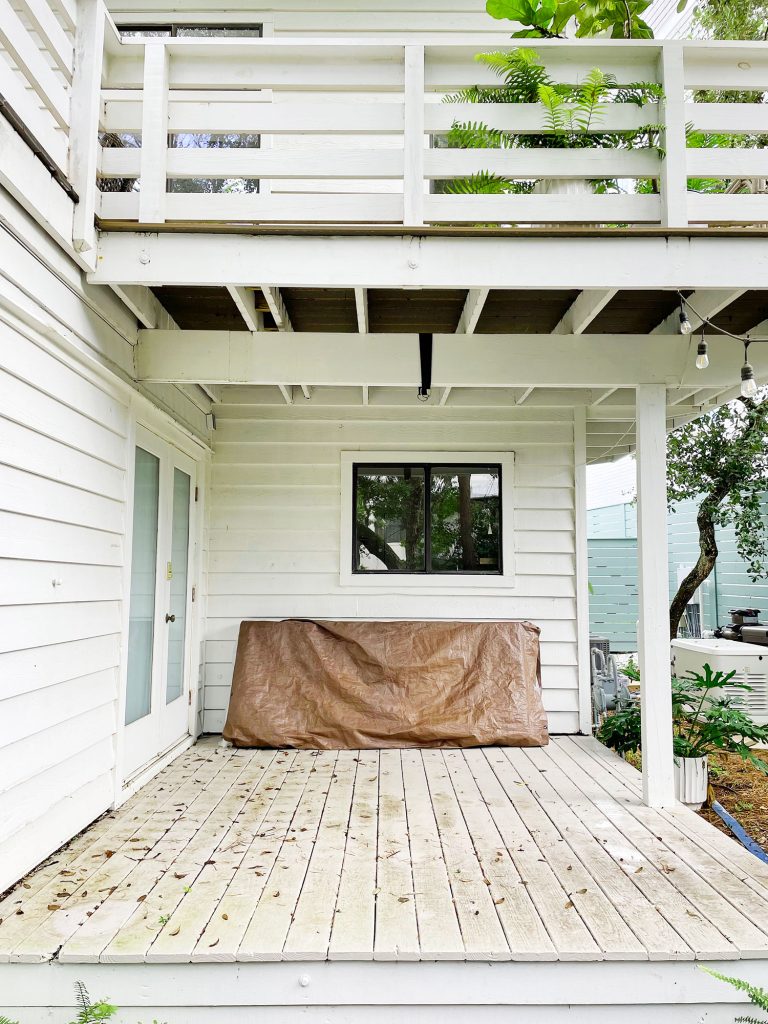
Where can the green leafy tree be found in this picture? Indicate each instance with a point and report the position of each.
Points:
(550, 19)
(732, 19)
(721, 461)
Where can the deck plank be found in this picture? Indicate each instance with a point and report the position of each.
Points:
(680, 905)
(557, 912)
(606, 925)
(267, 930)
(524, 930)
(57, 908)
(309, 934)
(529, 854)
(396, 936)
(355, 915)
(220, 941)
(659, 939)
(481, 930)
(439, 931)
(739, 911)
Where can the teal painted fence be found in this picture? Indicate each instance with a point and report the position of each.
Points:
(612, 559)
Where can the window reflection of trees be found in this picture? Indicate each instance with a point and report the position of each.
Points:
(415, 519)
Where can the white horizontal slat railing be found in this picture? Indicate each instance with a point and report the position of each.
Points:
(355, 131)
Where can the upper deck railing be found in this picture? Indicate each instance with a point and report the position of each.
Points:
(200, 132)
(353, 132)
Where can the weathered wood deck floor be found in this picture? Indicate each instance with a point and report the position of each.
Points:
(494, 854)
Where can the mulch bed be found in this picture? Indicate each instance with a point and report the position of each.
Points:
(743, 792)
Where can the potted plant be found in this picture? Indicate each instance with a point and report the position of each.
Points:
(571, 116)
(705, 718)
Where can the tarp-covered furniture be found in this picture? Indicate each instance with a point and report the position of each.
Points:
(350, 685)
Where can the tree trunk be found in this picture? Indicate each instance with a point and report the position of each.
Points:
(468, 558)
(379, 548)
(704, 566)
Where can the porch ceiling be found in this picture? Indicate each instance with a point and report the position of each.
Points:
(439, 310)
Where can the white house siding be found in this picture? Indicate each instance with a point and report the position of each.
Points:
(333, 18)
(274, 521)
(64, 448)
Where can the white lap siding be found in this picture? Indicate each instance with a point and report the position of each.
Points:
(64, 450)
(274, 517)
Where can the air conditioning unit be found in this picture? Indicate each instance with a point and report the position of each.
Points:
(748, 661)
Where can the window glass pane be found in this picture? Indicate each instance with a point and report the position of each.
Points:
(219, 31)
(465, 519)
(389, 519)
(138, 702)
(179, 564)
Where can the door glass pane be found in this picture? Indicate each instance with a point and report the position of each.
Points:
(389, 519)
(465, 530)
(143, 582)
(179, 559)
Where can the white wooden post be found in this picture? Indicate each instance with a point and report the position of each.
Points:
(582, 568)
(674, 182)
(154, 134)
(653, 574)
(413, 137)
(84, 128)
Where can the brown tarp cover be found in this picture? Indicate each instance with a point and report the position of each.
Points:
(350, 685)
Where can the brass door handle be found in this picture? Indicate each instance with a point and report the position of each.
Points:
(170, 618)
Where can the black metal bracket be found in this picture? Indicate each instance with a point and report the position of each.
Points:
(425, 359)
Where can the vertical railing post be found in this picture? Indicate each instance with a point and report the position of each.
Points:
(674, 180)
(653, 577)
(85, 104)
(413, 136)
(582, 568)
(154, 134)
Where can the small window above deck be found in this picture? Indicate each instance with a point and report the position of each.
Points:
(175, 31)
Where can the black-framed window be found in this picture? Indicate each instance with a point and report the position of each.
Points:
(177, 31)
(426, 518)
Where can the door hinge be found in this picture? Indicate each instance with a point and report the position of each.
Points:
(194, 594)
(197, 493)
(189, 701)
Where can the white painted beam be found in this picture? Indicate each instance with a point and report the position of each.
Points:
(653, 580)
(277, 307)
(365, 394)
(584, 309)
(439, 261)
(605, 394)
(525, 361)
(413, 136)
(287, 392)
(525, 396)
(361, 307)
(245, 300)
(445, 396)
(672, 177)
(145, 306)
(473, 307)
(213, 391)
(305, 391)
(701, 305)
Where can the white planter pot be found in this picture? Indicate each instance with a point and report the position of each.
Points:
(691, 777)
(563, 187)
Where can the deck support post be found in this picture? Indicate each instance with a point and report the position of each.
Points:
(582, 569)
(653, 576)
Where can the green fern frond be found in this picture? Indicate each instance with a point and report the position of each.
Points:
(639, 93)
(483, 183)
(757, 996)
(476, 135)
(477, 94)
(7, 1020)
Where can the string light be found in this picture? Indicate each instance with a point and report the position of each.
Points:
(685, 324)
(748, 383)
(749, 386)
(702, 359)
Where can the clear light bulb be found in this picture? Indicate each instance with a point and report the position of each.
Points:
(685, 324)
(748, 383)
(702, 359)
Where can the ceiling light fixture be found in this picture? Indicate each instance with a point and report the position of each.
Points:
(685, 324)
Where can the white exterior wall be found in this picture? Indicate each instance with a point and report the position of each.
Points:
(274, 523)
(66, 441)
(333, 18)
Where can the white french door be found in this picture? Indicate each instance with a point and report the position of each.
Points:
(158, 673)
